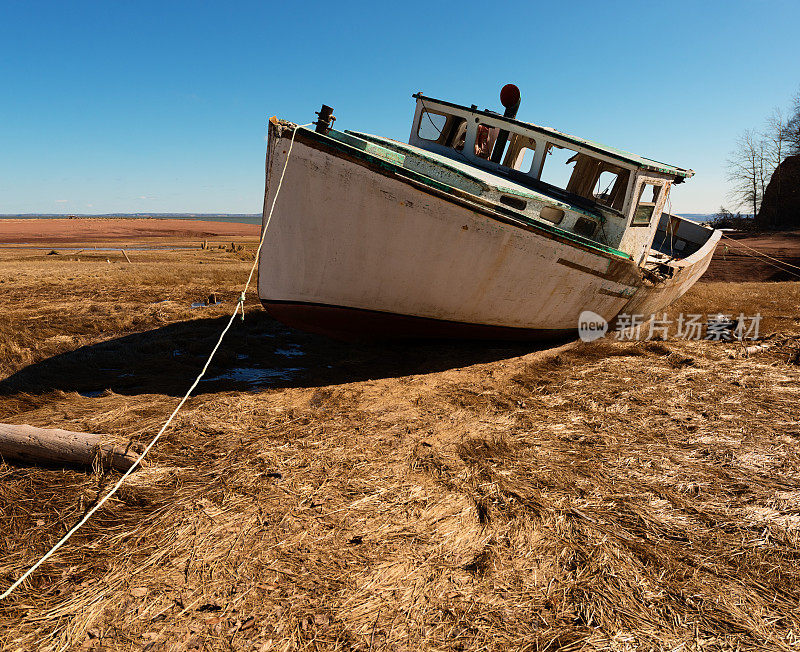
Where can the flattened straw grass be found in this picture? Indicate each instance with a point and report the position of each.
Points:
(154, 441)
(614, 496)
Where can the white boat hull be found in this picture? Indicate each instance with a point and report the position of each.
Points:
(354, 250)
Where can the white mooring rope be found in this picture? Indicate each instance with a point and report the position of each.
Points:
(119, 482)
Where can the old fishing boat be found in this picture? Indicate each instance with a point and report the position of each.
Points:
(481, 226)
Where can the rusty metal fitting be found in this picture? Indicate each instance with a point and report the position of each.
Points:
(325, 119)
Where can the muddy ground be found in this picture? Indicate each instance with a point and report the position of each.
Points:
(756, 257)
(116, 231)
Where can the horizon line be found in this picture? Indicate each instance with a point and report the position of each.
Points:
(150, 214)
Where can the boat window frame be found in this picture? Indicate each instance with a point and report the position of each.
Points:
(517, 143)
(549, 148)
(426, 113)
(450, 129)
(473, 118)
(619, 187)
(658, 205)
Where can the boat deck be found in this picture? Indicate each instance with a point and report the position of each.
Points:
(490, 191)
(414, 156)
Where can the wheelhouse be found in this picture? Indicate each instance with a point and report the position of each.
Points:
(609, 195)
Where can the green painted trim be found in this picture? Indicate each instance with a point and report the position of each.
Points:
(445, 162)
(340, 141)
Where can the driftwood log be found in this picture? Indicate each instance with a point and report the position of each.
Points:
(53, 446)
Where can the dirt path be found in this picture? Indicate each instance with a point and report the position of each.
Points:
(733, 261)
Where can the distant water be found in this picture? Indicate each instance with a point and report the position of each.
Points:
(702, 218)
(235, 218)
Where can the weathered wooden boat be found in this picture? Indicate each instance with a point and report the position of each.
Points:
(481, 226)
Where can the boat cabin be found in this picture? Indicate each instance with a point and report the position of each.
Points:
(613, 197)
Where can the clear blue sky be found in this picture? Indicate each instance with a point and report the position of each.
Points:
(119, 106)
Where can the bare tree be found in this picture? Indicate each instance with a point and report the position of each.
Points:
(758, 156)
(777, 138)
(748, 170)
(793, 126)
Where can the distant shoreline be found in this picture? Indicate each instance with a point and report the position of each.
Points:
(230, 218)
(78, 230)
(235, 218)
(731, 262)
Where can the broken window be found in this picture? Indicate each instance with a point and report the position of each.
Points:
(485, 139)
(518, 153)
(559, 164)
(605, 183)
(518, 150)
(524, 161)
(649, 194)
(586, 176)
(611, 186)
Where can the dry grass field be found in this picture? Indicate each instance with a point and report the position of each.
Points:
(315, 495)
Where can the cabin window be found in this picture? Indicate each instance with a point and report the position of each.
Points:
(485, 139)
(518, 150)
(431, 125)
(611, 186)
(559, 164)
(604, 186)
(518, 153)
(585, 176)
(447, 130)
(524, 160)
(649, 195)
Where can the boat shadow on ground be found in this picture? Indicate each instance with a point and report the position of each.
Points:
(258, 353)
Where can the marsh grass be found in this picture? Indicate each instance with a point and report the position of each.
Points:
(615, 495)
